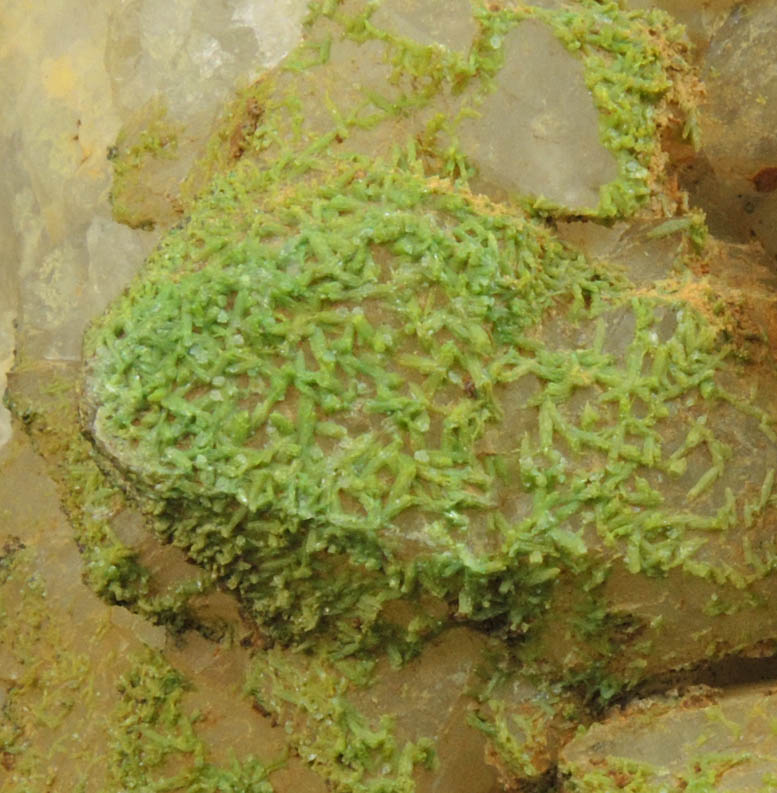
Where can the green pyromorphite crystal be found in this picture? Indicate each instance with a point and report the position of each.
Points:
(352, 390)
(346, 380)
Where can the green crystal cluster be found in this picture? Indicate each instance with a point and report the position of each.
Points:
(351, 394)
(346, 379)
(471, 483)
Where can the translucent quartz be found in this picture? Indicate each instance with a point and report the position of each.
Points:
(538, 131)
(735, 176)
(705, 740)
(69, 85)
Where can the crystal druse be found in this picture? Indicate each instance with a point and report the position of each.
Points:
(366, 384)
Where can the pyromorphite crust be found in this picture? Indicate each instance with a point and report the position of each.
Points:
(336, 395)
(355, 86)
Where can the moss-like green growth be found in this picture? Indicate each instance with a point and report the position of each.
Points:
(636, 68)
(154, 742)
(314, 702)
(635, 64)
(138, 197)
(44, 679)
(93, 502)
(363, 388)
(703, 774)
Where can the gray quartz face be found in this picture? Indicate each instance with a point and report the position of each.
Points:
(537, 133)
(449, 23)
(735, 176)
(703, 737)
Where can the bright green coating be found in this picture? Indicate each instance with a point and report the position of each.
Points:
(633, 61)
(373, 385)
(313, 398)
(307, 316)
(635, 66)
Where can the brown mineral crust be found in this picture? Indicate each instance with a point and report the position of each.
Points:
(245, 127)
(765, 180)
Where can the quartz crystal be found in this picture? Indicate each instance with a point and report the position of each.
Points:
(55, 210)
(549, 143)
(705, 739)
(445, 22)
(735, 176)
(193, 53)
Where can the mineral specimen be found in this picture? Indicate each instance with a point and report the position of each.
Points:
(441, 376)
(344, 382)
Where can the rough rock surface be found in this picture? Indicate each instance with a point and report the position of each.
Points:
(735, 177)
(701, 20)
(705, 739)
